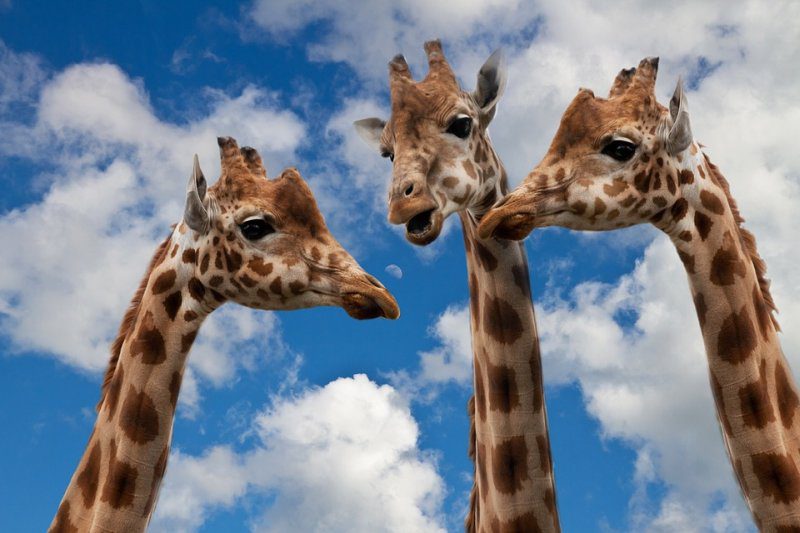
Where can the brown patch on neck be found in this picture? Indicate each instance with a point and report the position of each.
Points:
(128, 321)
(748, 242)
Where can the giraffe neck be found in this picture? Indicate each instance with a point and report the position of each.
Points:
(514, 488)
(754, 392)
(116, 483)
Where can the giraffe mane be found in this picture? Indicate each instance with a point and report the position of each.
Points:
(128, 321)
(471, 521)
(748, 241)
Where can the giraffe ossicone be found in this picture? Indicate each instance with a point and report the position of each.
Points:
(625, 160)
(257, 242)
(444, 163)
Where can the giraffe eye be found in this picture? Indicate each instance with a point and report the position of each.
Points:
(388, 154)
(619, 150)
(255, 228)
(460, 127)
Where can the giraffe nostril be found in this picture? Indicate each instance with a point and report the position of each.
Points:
(374, 281)
(409, 190)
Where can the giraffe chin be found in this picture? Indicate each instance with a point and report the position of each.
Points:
(424, 228)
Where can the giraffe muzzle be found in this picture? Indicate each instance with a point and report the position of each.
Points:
(513, 219)
(370, 302)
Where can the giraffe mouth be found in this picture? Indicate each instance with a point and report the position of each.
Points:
(510, 219)
(423, 228)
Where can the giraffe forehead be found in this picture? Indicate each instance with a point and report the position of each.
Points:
(588, 119)
(426, 102)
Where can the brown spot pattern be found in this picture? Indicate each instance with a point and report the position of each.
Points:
(196, 289)
(754, 402)
(501, 321)
(120, 486)
(687, 260)
(187, 340)
(164, 282)
(276, 286)
(778, 476)
(480, 391)
(474, 299)
(112, 396)
(510, 464)
(703, 224)
(485, 257)
(711, 202)
(138, 417)
(722, 412)
(502, 384)
(158, 475)
(679, 209)
(727, 263)
(62, 522)
(149, 343)
(189, 255)
(599, 206)
(258, 266)
(521, 278)
(785, 394)
(700, 307)
(737, 337)
(525, 523)
(686, 177)
(615, 188)
(89, 477)
(233, 260)
(174, 388)
(172, 304)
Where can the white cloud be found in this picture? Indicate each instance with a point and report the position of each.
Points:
(343, 457)
(451, 360)
(114, 183)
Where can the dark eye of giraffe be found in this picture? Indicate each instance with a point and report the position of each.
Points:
(620, 150)
(388, 154)
(255, 228)
(460, 127)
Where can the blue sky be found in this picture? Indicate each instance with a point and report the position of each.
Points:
(103, 106)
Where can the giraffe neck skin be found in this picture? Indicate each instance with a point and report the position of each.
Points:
(754, 391)
(116, 483)
(514, 484)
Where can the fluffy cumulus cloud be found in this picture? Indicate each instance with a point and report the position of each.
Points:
(112, 180)
(345, 454)
(646, 383)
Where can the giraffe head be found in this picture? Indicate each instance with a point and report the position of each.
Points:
(438, 142)
(263, 243)
(614, 162)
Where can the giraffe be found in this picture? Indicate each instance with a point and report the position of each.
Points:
(626, 160)
(444, 163)
(247, 239)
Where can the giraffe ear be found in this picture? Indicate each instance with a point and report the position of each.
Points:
(680, 134)
(195, 214)
(370, 129)
(491, 83)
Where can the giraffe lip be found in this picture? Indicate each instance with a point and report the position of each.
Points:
(423, 228)
(508, 221)
(364, 305)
